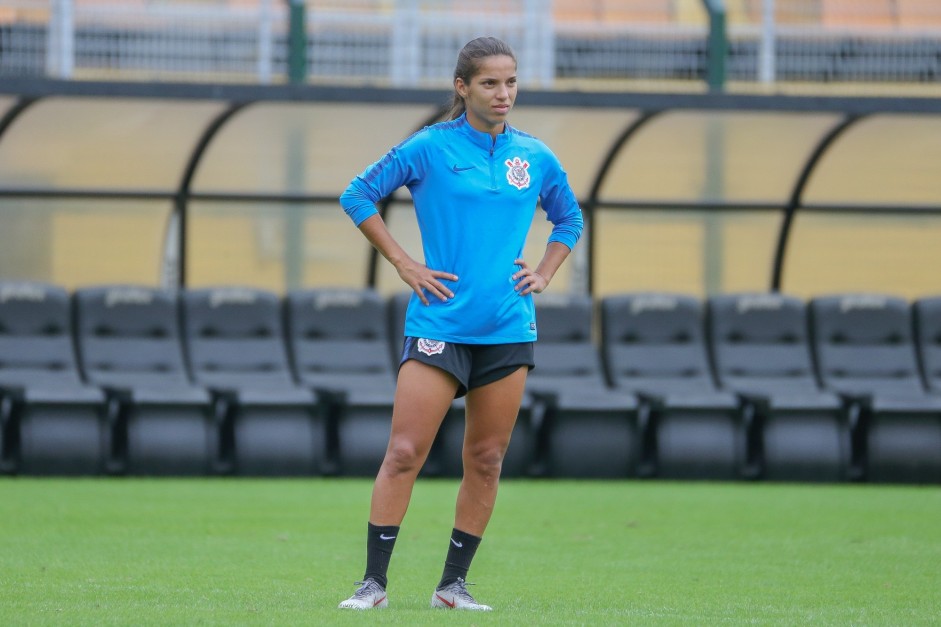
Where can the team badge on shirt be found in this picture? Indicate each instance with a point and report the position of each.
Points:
(430, 347)
(517, 172)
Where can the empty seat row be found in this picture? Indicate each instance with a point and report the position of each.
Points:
(125, 379)
(759, 385)
(132, 380)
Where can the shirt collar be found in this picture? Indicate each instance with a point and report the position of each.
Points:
(484, 140)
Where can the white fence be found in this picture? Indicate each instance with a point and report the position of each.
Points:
(414, 42)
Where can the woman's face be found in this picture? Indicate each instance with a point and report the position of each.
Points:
(490, 94)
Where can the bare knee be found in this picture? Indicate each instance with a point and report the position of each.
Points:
(402, 458)
(484, 460)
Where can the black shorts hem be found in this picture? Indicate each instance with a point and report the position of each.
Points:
(472, 365)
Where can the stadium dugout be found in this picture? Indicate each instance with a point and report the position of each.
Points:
(183, 187)
(174, 175)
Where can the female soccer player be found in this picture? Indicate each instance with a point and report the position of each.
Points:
(470, 324)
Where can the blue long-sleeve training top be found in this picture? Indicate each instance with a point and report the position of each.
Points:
(474, 198)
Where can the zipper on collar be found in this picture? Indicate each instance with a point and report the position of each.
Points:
(493, 171)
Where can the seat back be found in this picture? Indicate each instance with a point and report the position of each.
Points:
(927, 313)
(863, 344)
(397, 307)
(235, 338)
(129, 336)
(36, 341)
(760, 343)
(566, 355)
(338, 337)
(654, 342)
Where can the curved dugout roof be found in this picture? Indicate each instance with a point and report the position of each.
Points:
(108, 144)
(697, 195)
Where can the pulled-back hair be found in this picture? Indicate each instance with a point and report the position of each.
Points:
(468, 64)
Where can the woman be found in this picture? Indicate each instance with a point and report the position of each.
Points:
(470, 324)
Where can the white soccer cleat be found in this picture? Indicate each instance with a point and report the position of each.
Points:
(456, 597)
(370, 595)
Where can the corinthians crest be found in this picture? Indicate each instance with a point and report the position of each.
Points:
(517, 172)
(430, 347)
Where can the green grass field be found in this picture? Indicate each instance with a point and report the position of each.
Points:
(285, 552)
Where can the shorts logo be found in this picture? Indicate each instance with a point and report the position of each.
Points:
(430, 347)
(517, 173)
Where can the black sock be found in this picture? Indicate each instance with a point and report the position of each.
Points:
(461, 551)
(380, 540)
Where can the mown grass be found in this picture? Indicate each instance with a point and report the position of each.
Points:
(285, 552)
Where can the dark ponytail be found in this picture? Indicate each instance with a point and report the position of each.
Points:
(468, 64)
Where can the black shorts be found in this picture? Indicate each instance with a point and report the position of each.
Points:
(473, 365)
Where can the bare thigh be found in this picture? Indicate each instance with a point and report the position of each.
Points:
(491, 414)
(423, 396)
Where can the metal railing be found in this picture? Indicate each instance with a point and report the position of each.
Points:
(413, 43)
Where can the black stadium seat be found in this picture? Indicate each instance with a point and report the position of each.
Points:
(129, 344)
(397, 305)
(865, 351)
(589, 430)
(339, 346)
(653, 345)
(761, 350)
(927, 315)
(236, 347)
(53, 423)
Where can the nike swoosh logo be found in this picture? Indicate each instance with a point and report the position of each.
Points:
(380, 601)
(445, 601)
(459, 545)
(457, 169)
(383, 536)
